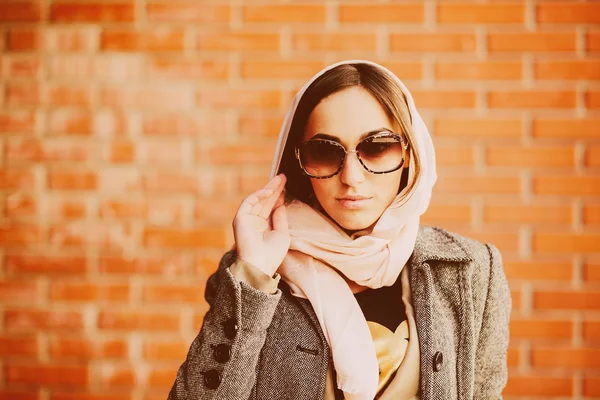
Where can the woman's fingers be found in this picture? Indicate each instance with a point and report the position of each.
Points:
(280, 222)
(254, 199)
(269, 203)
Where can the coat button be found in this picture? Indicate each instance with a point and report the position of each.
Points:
(230, 328)
(212, 379)
(438, 361)
(221, 352)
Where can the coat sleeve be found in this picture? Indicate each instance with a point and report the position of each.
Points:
(221, 362)
(490, 365)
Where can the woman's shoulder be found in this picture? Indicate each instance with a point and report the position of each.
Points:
(449, 244)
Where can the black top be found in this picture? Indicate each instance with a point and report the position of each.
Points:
(383, 305)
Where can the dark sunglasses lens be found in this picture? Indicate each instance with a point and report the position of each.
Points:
(320, 157)
(381, 153)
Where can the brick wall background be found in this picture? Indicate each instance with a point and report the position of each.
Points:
(131, 130)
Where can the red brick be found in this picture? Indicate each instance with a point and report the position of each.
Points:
(532, 42)
(568, 12)
(444, 99)
(20, 11)
(538, 270)
(532, 99)
(516, 299)
(120, 180)
(578, 358)
(122, 151)
(185, 238)
(236, 41)
(19, 291)
(117, 375)
(591, 331)
(479, 185)
(591, 213)
(477, 128)
(19, 94)
(22, 345)
(439, 213)
(22, 66)
(58, 207)
(19, 204)
(173, 293)
(175, 68)
(24, 39)
(430, 42)
(591, 271)
(123, 209)
(566, 300)
(84, 348)
(240, 155)
(115, 67)
(354, 42)
(17, 179)
(280, 69)
(259, 125)
(508, 241)
(530, 156)
(160, 182)
(166, 266)
(593, 41)
(540, 386)
(72, 375)
(461, 13)
(591, 386)
(455, 156)
(70, 122)
(63, 11)
(284, 13)
(513, 356)
(162, 376)
(89, 396)
(18, 264)
(129, 321)
(216, 210)
(522, 213)
(27, 320)
(380, 13)
(71, 180)
(68, 95)
(87, 291)
(566, 185)
(159, 39)
(592, 156)
(34, 150)
(538, 329)
(479, 70)
(172, 125)
(18, 122)
(566, 70)
(165, 350)
(14, 234)
(113, 235)
(592, 99)
(566, 128)
(189, 11)
(8, 394)
(405, 69)
(237, 98)
(162, 98)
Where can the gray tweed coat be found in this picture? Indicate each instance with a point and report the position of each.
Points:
(254, 345)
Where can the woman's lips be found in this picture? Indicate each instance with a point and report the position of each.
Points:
(354, 203)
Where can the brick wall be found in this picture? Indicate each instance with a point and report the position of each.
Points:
(131, 130)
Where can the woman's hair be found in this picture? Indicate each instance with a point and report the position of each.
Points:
(377, 82)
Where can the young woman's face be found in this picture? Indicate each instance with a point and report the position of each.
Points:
(355, 198)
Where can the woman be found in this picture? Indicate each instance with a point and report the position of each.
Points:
(333, 289)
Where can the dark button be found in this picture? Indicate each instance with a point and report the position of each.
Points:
(230, 328)
(212, 379)
(438, 361)
(221, 352)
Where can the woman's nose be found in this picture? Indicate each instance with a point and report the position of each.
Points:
(352, 172)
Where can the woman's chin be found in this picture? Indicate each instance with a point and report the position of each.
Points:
(355, 224)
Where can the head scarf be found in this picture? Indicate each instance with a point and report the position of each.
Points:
(320, 251)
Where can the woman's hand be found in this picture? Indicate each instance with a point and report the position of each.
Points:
(260, 227)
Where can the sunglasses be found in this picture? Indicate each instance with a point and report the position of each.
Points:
(381, 153)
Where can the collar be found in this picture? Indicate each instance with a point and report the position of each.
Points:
(437, 244)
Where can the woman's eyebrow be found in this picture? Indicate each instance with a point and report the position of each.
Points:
(362, 137)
